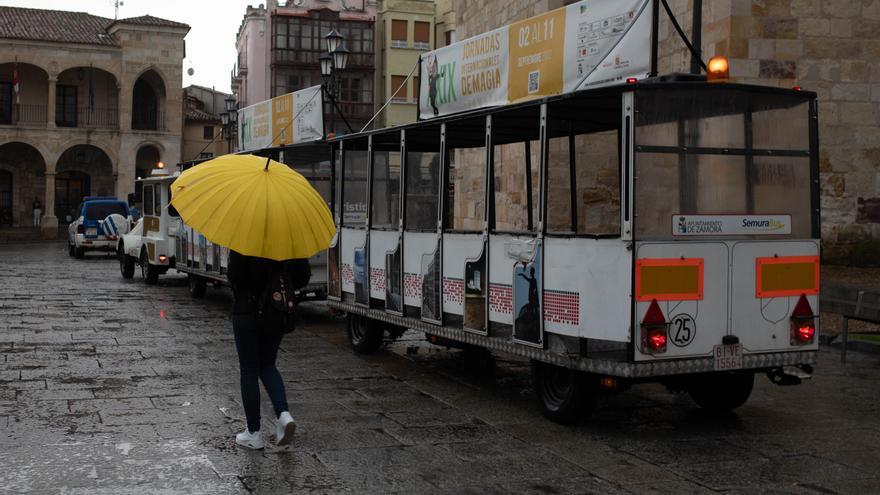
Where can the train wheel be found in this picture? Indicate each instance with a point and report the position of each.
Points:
(126, 263)
(719, 392)
(148, 271)
(566, 395)
(365, 335)
(197, 286)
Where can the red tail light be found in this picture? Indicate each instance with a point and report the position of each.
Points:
(803, 323)
(80, 229)
(654, 330)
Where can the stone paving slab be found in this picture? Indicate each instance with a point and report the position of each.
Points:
(111, 386)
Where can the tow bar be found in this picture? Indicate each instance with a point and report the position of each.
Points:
(790, 375)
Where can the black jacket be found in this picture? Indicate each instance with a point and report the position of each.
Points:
(249, 276)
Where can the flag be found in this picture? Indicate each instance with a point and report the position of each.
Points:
(16, 88)
(91, 92)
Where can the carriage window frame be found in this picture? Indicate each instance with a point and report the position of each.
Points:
(364, 224)
(809, 152)
(389, 149)
(449, 151)
(532, 187)
(415, 138)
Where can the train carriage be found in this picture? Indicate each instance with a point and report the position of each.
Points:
(665, 229)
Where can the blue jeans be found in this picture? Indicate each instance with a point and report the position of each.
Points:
(257, 349)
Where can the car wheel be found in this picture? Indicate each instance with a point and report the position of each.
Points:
(79, 253)
(566, 395)
(197, 286)
(149, 272)
(365, 335)
(126, 263)
(70, 250)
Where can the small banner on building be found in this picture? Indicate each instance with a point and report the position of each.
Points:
(587, 44)
(268, 123)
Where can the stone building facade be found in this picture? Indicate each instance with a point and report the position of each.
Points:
(203, 135)
(96, 100)
(831, 47)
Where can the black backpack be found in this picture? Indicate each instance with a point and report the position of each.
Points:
(276, 307)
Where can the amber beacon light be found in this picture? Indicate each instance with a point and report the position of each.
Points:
(718, 69)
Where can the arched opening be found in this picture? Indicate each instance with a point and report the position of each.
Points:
(146, 160)
(86, 97)
(23, 180)
(29, 106)
(5, 198)
(82, 170)
(148, 103)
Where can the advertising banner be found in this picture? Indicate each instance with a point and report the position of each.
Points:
(690, 225)
(268, 123)
(587, 44)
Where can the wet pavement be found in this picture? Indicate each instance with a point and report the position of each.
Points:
(112, 386)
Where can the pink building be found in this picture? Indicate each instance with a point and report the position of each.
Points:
(279, 45)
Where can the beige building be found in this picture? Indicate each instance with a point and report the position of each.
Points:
(203, 135)
(405, 31)
(97, 102)
(830, 47)
(444, 23)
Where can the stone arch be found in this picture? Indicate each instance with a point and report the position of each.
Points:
(75, 107)
(26, 169)
(34, 96)
(81, 170)
(149, 94)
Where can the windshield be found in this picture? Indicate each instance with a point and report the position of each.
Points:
(712, 159)
(100, 211)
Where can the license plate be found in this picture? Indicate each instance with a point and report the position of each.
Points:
(92, 232)
(728, 357)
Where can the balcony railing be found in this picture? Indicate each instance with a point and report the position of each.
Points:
(98, 118)
(22, 114)
(149, 120)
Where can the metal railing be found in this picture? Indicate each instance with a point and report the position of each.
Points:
(98, 118)
(22, 114)
(148, 121)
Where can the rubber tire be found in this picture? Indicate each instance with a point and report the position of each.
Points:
(197, 286)
(566, 395)
(366, 335)
(721, 392)
(148, 271)
(79, 253)
(70, 250)
(126, 263)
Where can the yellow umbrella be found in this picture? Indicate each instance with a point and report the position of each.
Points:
(255, 206)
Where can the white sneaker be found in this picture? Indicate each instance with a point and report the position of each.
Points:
(285, 429)
(250, 440)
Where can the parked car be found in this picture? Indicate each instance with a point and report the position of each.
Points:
(101, 220)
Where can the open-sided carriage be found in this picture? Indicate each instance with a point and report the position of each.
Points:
(658, 231)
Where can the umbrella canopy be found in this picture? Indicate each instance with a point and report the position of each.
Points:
(255, 206)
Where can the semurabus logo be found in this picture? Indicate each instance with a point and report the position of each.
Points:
(771, 224)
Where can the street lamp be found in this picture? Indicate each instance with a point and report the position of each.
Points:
(332, 62)
(229, 119)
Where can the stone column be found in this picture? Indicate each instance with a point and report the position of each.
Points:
(50, 110)
(49, 222)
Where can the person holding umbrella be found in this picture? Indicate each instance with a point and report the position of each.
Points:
(272, 220)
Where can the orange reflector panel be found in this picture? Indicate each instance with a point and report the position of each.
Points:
(669, 279)
(786, 276)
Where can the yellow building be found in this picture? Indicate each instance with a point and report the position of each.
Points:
(86, 104)
(203, 135)
(406, 30)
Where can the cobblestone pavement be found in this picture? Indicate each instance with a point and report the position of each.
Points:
(111, 386)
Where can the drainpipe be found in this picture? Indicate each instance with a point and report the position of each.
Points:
(697, 36)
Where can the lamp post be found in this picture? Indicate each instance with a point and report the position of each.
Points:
(333, 61)
(229, 119)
